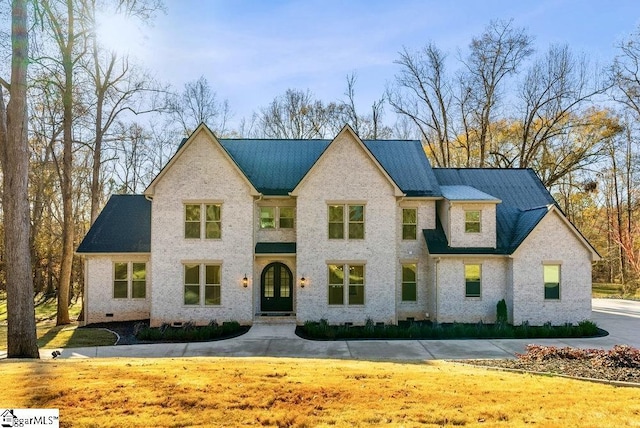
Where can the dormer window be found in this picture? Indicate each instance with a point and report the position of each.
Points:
(472, 221)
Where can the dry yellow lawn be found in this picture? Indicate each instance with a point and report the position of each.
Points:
(299, 392)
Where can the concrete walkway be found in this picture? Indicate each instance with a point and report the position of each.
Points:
(621, 318)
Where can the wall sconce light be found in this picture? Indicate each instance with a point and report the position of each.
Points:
(303, 282)
(245, 281)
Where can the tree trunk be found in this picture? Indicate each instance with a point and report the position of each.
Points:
(66, 264)
(21, 331)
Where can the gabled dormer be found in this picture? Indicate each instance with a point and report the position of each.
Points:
(468, 217)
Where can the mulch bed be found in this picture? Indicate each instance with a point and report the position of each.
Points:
(574, 368)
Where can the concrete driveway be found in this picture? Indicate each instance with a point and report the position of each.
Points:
(621, 318)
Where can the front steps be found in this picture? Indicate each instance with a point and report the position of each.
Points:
(274, 318)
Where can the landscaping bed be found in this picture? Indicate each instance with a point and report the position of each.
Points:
(137, 332)
(322, 330)
(621, 364)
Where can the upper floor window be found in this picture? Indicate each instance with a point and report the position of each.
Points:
(351, 216)
(472, 279)
(472, 221)
(409, 223)
(277, 217)
(202, 220)
(552, 281)
(129, 279)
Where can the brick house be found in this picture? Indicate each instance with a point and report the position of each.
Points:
(344, 229)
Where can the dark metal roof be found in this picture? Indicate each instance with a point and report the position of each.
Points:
(275, 248)
(524, 198)
(466, 193)
(275, 167)
(123, 226)
(407, 164)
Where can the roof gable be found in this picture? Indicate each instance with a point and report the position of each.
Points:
(123, 226)
(184, 145)
(346, 130)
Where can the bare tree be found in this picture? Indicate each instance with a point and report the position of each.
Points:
(296, 115)
(496, 54)
(423, 94)
(555, 90)
(369, 126)
(626, 73)
(14, 155)
(199, 103)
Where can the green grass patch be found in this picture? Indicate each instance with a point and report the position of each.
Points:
(189, 332)
(606, 290)
(428, 330)
(52, 336)
(65, 336)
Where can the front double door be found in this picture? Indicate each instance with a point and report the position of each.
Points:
(276, 288)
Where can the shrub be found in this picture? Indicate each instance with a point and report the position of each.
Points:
(501, 312)
(189, 332)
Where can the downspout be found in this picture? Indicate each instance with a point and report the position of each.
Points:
(254, 221)
(436, 296)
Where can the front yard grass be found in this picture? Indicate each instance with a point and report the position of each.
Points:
(307, 393)
(52, 336)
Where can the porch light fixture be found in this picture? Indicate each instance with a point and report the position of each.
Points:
(245, 281)
(303, 282)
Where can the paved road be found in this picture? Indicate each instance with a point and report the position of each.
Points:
(620, 318)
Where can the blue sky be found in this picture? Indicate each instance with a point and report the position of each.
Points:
(252, 51)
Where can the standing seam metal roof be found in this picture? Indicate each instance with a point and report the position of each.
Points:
(524, 198)
(275, 167)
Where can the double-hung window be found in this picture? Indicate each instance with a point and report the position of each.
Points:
(349, 217)
(409, 223)
(551, 281)
(472, 279)
(472, 221)
(129, 280)
(349, 278)
(202, 284)
(203, 220)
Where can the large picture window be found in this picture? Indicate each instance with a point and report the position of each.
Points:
(202, 216)
(472, 279)
(552, 281)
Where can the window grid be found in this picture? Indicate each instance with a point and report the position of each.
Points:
(353, 282)
(129, 280)
(349, 217)
(409, 223)
(472, 221)
(336, 221)
(202, 216)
